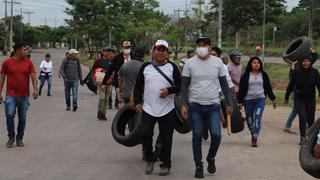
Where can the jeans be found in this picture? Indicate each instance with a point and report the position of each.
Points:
(166, 128)
(306, 111)
(42, 81)
(71, 85)
(199, 116)
(13, 103)
(254, 109)
(103, 99)
(292, 115)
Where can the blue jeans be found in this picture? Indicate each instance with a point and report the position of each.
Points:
(71, 85)
(199, 116)
(11, 105)
(292, 115)
(254, 109)
(42, 81)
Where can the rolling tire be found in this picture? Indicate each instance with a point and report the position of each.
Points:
(119, 125)
(182, 126)
(308, 162)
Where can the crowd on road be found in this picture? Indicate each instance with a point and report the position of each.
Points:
(203, 78)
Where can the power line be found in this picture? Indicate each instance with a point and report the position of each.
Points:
(29, 13)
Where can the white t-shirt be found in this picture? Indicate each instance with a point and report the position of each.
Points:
(204, 86)
(154, 81)
(46, 66)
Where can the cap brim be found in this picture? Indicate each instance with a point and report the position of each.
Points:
(160, 46)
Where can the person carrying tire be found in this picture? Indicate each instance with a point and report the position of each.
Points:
(154, 99)
(202, 77)
(302, 84)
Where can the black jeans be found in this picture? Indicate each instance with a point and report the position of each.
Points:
(306, 111)
(166, 128)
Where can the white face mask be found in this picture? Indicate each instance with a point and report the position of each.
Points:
(202, 51)
(126, 51)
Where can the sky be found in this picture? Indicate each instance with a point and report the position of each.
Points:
(51, 12)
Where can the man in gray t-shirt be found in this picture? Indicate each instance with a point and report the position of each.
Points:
(128, 73)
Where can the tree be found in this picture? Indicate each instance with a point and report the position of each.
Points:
(175, 36)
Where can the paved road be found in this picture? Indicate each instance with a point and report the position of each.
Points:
(62, 145)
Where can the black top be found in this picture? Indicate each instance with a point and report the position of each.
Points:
(116, 64)
(244, 83)
(303, 83)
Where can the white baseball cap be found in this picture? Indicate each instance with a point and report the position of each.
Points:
(73, 51)
(160, 43)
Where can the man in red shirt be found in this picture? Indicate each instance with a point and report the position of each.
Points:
(17, 70)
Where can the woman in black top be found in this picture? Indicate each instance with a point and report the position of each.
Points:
(302, 84)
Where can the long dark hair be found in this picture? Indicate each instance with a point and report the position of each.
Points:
(249, 65)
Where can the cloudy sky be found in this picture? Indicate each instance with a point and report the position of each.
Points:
(52, 12)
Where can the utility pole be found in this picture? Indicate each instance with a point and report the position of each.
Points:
(5, 24)
(311, 20)
(186, 23)
(11, 26)
(178, 13)
(200, 15)
(55, 23)
(220, 24)
(45, 21)
(109, 44)
(274, 35)
(28, 12)
(264, 30)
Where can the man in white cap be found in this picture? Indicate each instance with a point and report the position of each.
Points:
(70, 71)
(156, 84)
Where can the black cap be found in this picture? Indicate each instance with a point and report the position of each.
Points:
(139, 51)
(109, 49)
(205, 40)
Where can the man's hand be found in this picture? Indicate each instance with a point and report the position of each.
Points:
(229, 110)
(184, 112)
(316, 151)
(81, 83)
(274, 104)
(131, 103)
(139, 108)
(121, 103)
(164, 93)
(286, 102)
(35, 95)
(1, 99)
(241, 106)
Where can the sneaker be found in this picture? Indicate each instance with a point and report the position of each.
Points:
(20, 143)
(49, 94)
(254, 141)
(211, 166)
(68, 108)
(288, 130)
(199, 172)
(10, 142)
(149, 167)
(102, 116)
(164, 171)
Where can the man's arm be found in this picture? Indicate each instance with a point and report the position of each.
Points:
(2, 81)
(110, 70)
(62, 67)
(35, 85)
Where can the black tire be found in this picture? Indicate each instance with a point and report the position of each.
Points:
(182, 126)
(297, 48)
(119, 125)
(237, 121)
(308, 162)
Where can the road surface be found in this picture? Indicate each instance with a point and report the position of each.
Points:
(62, 145)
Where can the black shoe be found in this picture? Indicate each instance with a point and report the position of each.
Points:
(20, 143)
(68, 108)
(199, 172)
(211, 166)
(102, 116)
(49, 94)
(164, 171)
(10, 142)
(75, 108)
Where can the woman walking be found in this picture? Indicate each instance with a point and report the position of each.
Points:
(254, 87)
(46, 74)
(303, 84)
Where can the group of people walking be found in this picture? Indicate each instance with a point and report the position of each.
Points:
(150, 87)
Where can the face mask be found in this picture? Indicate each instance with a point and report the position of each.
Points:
(202, 51)
(126, 51)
